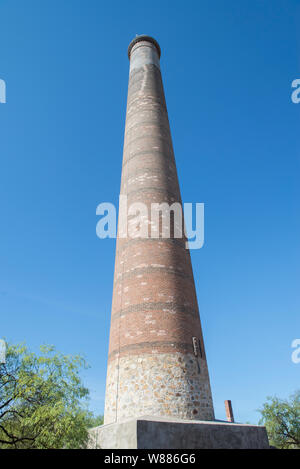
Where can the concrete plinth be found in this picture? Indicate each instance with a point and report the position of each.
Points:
(162, 433)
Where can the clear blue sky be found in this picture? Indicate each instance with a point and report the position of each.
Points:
(227, 68)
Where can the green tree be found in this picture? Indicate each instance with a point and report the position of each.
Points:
(43, 403)
(282, 421)
(95, 421)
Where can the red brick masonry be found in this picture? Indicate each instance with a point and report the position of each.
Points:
(154, 309)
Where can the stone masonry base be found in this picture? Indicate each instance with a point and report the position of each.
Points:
(162, 384)
(168, 433)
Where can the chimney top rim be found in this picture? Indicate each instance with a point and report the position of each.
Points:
(143, 37)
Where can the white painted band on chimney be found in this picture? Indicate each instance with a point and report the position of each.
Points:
(143, 53)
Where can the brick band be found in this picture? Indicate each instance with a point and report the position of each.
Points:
(165, 307)
(178, 241)
(155, 189)
(147, 152)
(152, 270)
(166, 140)
(147, 124)
(161, 346)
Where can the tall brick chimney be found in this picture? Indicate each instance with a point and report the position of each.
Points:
(157, 363)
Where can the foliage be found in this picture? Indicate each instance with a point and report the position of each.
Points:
(43, 403)
(282, 421)
(95, 421)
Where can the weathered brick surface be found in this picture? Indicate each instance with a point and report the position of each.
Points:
(152, 367)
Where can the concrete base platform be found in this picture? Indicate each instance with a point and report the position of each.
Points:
(164, 433)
